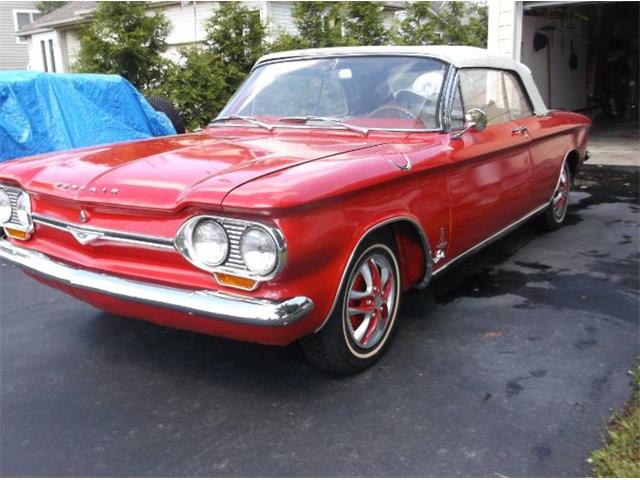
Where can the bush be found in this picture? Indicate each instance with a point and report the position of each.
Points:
(196, 87)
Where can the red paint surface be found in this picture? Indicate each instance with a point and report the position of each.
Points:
(323, 188)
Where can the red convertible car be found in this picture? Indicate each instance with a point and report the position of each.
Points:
(333, 181)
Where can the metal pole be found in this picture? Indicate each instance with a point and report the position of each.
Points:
(195, 23)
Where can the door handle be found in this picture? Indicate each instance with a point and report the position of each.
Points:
(519, 130)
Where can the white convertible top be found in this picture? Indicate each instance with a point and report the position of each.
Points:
(458, 56)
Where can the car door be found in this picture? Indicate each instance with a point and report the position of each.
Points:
(490, 177)
(547, 148)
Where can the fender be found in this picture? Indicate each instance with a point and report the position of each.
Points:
(428, 267)
(573, 150)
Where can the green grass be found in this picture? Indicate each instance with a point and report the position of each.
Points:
(620, 455)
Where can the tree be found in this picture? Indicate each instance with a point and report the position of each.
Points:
(334, 24)
(202, 82)
(235, 35)
(463, 23)
(453, 23)
(285, 41)
(479, 24)
(196, 86)
(123, 39)
(418, 27)
(364, 24)
(49, 6)
(319, 24)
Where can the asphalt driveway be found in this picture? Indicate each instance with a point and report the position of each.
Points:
(508, 365)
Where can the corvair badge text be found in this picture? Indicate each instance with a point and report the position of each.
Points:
(71, 186)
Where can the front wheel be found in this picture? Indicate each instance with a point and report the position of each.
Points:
(361, 324)
(553, 217)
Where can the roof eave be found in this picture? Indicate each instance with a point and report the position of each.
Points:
(46, 27)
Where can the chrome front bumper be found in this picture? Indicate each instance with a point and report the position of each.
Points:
(206, 303)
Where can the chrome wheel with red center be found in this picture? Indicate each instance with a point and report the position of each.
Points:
(358, 331)
(371, 301)
(560, 200)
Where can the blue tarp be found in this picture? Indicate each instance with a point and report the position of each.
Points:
(45, 112)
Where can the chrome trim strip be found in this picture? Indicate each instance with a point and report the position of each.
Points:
(208, 303)
(105, 234)
(448, 101)
(448, 92)
(427, 254)
(327, 127)
(334, 54)
(564, 161)
(491, 238)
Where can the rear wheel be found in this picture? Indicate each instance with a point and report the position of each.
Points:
(362, 322)
(556, 212)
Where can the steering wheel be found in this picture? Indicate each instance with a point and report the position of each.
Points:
(404, 113)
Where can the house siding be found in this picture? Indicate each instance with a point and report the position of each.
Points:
(185, 28)
(281, 18)
(12, 55)
(72, 47)
(505, 17)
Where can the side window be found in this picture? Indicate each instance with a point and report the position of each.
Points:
(484, 89)
(517, 100)
(457, 111)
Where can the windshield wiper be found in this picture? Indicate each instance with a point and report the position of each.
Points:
(251, 120)
(334, 121)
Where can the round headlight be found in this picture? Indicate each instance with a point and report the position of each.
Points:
(259, 251)
(209, 243)
(23, 209)
(5, 207)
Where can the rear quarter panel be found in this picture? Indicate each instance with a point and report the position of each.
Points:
(553, 137)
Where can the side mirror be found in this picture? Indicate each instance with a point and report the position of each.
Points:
(475, 120)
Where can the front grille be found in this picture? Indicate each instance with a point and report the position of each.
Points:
(13, 197)
(234, 230)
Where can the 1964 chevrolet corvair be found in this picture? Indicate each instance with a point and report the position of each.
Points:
(334, 180)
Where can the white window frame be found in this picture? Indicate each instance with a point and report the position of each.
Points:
(15, 13)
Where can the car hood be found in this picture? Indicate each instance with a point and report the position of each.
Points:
(170, 172)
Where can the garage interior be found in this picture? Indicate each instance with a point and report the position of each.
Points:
(584, 58)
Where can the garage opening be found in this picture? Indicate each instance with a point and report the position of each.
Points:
(584, 57)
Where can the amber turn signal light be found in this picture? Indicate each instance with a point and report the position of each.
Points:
(17, 234)
(234, 281)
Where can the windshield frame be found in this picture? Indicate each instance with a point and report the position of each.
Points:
(449, 71)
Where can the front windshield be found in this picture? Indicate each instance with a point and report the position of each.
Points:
(382, 92)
